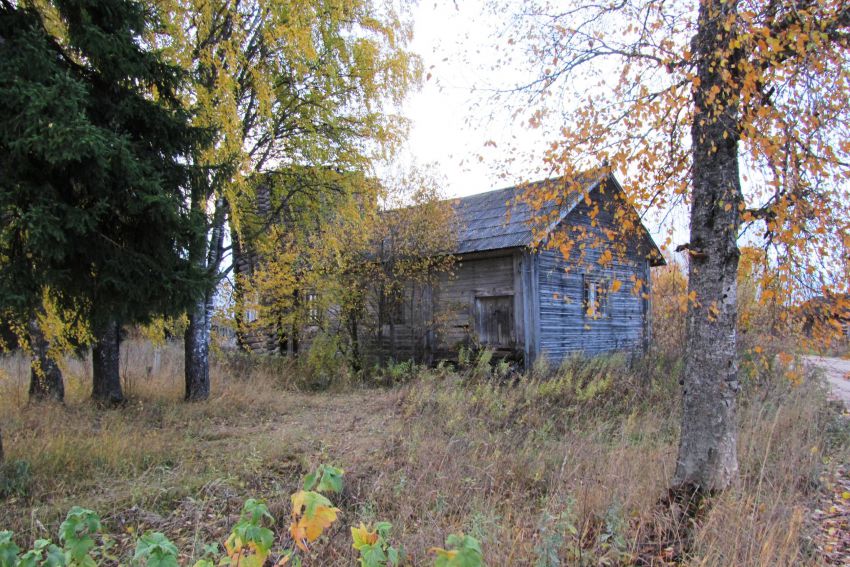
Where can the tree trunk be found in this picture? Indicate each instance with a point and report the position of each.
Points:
(241, 269)
(707, 460)
(380, 331)
(45, 375)
(197, 352)
(106, 377)
(197, 337)
(393, 354)
(2, 455)
(354, 336)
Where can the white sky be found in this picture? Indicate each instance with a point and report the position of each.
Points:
(454, 116)
(472, 141)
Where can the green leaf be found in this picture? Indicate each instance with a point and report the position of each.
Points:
(155, 550)
(55, 557)
(463, 551)
(383, 529)
(310, 480)
(372, 556)
(256, 511)
(75, 533)
(43, 554)
(331, 479)
(8, 550)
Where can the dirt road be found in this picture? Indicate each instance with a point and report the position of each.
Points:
(837, 371)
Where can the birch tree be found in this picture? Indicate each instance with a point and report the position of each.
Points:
(286, 83)
(735, 110)
(293, 269)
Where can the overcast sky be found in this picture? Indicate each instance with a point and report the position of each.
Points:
(455, 123)
(474, 142)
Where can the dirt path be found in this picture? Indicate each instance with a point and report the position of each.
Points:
(837, 372)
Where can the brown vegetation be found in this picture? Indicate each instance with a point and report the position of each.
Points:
(565, 464)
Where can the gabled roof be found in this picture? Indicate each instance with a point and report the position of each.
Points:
(497, 220)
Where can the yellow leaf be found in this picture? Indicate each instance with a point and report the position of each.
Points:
(308, 529)
(845, 495)
(362, 536)
(616, 285)
(448, 554)
(299, 534)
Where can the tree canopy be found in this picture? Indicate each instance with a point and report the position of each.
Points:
(734, 109)
(622, 82)
(93, 141)
(287, 84)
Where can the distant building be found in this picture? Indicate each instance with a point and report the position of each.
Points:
(511, 293)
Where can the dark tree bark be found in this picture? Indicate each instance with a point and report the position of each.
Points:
(707, 459)
(241, 269)
(106, 377)
(380, 331)
(45, 375)
(354, 335)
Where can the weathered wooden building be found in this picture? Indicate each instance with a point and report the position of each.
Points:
(515, 290)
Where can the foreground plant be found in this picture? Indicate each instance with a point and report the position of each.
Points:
(463, 551)
(250, 543)
(374, 547)
(77, 534)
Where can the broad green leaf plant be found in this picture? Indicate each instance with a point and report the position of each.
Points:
(251, 542)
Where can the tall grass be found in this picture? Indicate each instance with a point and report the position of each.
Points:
(561, 466)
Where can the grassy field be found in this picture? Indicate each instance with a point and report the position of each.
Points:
(560, 467)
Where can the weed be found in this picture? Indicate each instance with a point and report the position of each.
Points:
(15, 479)
(558, 466)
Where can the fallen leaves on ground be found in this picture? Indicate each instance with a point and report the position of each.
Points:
(832, 518)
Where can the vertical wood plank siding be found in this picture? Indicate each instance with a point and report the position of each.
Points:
(500, 268)
(455, 295)
(564, 327)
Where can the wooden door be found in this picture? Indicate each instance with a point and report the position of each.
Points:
(494, 321)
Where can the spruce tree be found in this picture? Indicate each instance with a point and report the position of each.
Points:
(93, 175)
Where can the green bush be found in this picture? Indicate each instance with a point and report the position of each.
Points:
(324, 364)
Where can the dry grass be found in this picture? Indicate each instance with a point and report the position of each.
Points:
(566, 468)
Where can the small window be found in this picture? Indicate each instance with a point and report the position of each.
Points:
(250, 315)
(595, 298)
